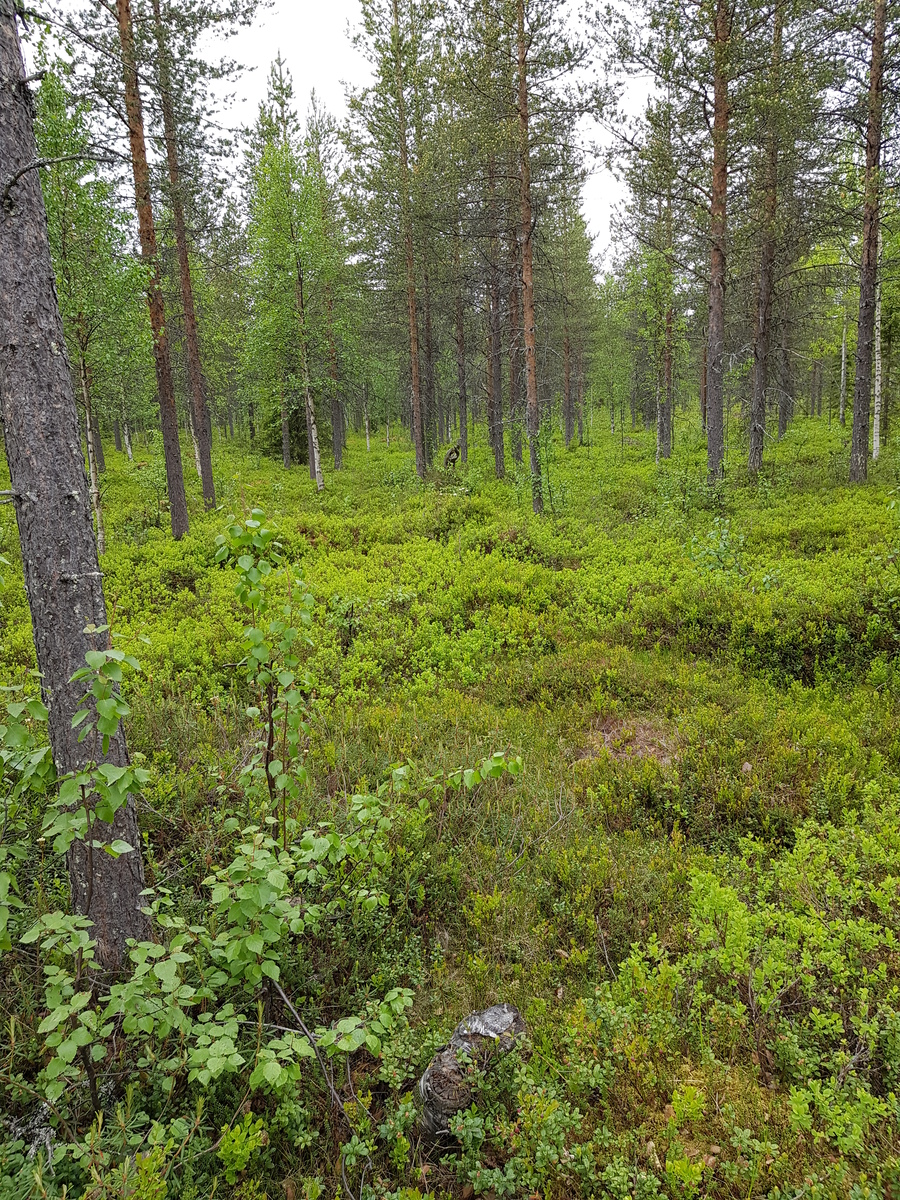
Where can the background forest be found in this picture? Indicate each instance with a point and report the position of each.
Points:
(475, 613)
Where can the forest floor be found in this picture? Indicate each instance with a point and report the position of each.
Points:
(691, 889)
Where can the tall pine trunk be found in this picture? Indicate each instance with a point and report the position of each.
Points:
(868, 271)
(200, 422)
(515, 348)
(579, 410)
(496, 370)
(876, 412)
(418, 433)
(766, 256)
(532, 416)
(842, 413)
(431, 423)
(178, 513)
(461, 358)
(715, 368)
(59, 555)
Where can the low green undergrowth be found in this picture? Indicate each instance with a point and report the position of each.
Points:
(633, 767)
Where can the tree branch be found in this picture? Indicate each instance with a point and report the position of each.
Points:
(45, 162)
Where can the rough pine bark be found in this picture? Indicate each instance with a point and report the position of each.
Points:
(868, 271)
(715, 370)
(53, 512)
(532, 416)
(178, 513)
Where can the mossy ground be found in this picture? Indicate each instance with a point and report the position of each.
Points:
(692, 889)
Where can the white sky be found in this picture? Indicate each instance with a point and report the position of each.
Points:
(314, 40)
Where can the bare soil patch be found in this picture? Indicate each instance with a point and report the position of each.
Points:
(629, 738)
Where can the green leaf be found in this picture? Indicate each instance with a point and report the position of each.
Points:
(117, 847)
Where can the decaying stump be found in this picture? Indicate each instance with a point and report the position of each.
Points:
(444, 1088)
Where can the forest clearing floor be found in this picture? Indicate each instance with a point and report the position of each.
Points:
(691, 889)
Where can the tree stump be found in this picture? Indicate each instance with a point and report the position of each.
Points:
(444, 1088)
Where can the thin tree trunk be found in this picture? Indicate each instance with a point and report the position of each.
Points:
(285, 428)
(842, 417)
(337, 430)
(703, 377)
(495, 368)
(579, 409)
(315, 462)
(50, 490)
(887, 382)
(313, 433)
(820, 380)
(568, 410)
(430, 416)
(117, 434)
(664, 417)
(178, 513)
(715, 396)
(868, 271)
(366, 414)
(99, 456)
(767, 256)
(91, 455)
(406, 219)
(786, 397)
(189, 421)
(126, 433)
(461, 359)
(200, 421)
(496, 373)
(515, 348)
(876, 413)
(526, 232)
